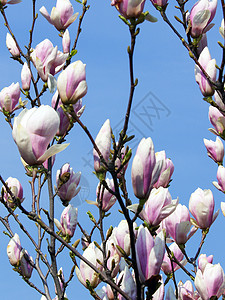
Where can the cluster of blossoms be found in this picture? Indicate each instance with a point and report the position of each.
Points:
(162, 220)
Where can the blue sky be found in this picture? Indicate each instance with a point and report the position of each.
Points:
(166, 80)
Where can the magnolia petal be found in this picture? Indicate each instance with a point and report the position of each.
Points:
(71, 20)
(52, 151)
(45, 14)
(52, 83)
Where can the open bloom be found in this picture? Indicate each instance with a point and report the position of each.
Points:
(61, 15)
(209, 65)
(68, 221)
(67, 183)
(186, 291)
(33, 130)
(9, 97)
(150, 253)
(158, 206)
(103, 141)
(71, 83)
(202, 13)
(129, 8)
(47, 59)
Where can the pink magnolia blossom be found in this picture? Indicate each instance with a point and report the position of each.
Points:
(61, 16)
(14, 250)
(209, 65)
(186, 291)
(203, 260)
(149, 252)
(17, 190)
(71, 83)
(103, 142)
(201, 205)
(9, 97)
(128, 8)
(113, 261)
(47, 59)
(142, 168)
(67, 183)
(202, 13)
(210, 282)
(178, 225)
(166, 171)
(68, 221)
(217, 119)
(127, 284)
(166, 264)
(33, 130)
(215, 149)
(121, 236)
(92, 253)
(220, 185)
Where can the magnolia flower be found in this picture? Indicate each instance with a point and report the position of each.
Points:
(25, 77)
(128, 8)
(103, 141)
(215, 149)
(85, 272)
(220, 185)
(202, 13)
(201, 205)
(209, 65)
(47, 59)
(61, 16)
(142, 168)
(33, 130)
(71, 83)
(166, 172)
(68, 221)
(67, 183)
(4, 2)
(9, 97)
(17, 190)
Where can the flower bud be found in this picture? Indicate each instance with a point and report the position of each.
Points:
(68, 221)
(142, 168)
(107, 199)
(9, 97)
(25, 264)
(209, 65)
(103, 142)
(66, 41)
(17, 190)
(14, 250)
(67, 181)
(11, 45)
(159, 2)
(71, 83)
(25, 77)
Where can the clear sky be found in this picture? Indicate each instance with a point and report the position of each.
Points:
(168, 107)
